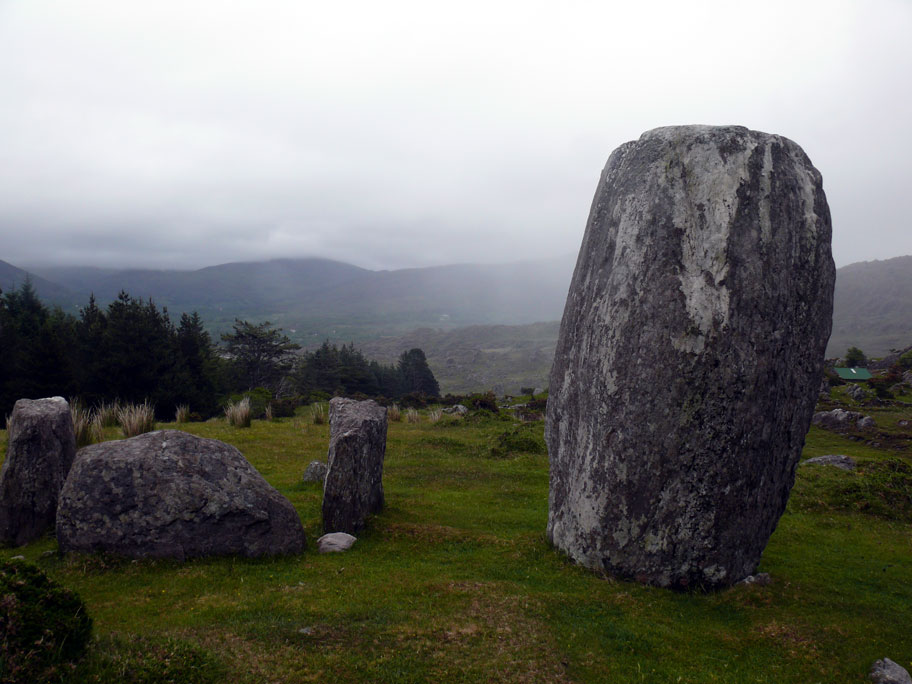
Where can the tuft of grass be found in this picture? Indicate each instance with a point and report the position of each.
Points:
(136, 419)
(239, 413)
(148, 660)
(108, 414)
(267, 412)
(86, 426)
(524, 438)
(434, 414)
(394, 413)
(412, 415)
(318, 414)
(182, 414)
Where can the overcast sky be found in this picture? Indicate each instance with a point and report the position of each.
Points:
(393, 134)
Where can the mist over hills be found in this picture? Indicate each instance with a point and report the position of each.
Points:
(481, 326)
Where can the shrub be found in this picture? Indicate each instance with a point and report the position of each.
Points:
(412, 416)
(318, 414)
(318, 395)
(283, 408)
(416, 400)
(43, 626)
(86, 426)
(394, 413)
(239, 414)
(484, 402)
(136, 419)
(195, 417)
(905, 361)
(182, 414)
(520, 438)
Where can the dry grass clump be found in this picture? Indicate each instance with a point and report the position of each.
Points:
(318, 414)
(268, 412)
(108, 414)
(239, 414)
(394, 413)
(85, 424)
(182, 414)
(412, 416)
(136, 419)
(435, 414)
(6, 424)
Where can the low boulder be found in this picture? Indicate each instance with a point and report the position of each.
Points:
(42, 446)
(866, 423)
(315, 472)
(885, 671)
(353, 488)
(856, 392)
(835, 460)
(335, 542)
(172, 494)
(456, 410)
(840, 419)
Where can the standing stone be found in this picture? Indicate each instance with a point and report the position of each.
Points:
(172, 494)
(353, 488)
(689, 356)
(41, 449)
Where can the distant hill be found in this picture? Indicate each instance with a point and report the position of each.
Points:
(12, 277)
(872, 307)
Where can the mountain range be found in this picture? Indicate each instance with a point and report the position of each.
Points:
(480, 325)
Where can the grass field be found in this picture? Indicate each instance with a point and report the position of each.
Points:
(455, 582)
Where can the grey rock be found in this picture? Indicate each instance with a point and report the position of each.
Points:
(866, 423)
(836, 460)
(887, 672)
(856, 392)
(837, 419)
(689, 356)
(456, 410)
(42, 446)
(907, 377)
(761, 579)
(537, 391)
(315, 472)
(335, 542)
(172, 494)
(353, 488)
(824, 389)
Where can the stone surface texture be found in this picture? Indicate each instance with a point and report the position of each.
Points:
(172, 494)
(315, 472)
(689, 356)
(885, 671)
(836, 460)
(840, 419)
(335, 542)
(41, 449)
(353, 488)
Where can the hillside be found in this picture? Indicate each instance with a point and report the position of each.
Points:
(873, 307)
(12, 277)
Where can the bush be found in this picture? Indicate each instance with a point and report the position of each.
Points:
(318, 414)
(283, 408)
(238, 414)
(43, 626)
(484, 402)
(905, 361)
(416, 400)
(136, 419)
(519, 439)
(259, 398)
(394, 413)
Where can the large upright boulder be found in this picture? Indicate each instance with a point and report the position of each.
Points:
(41, 449)
(689, 355)
(172, 494)
(353, 488)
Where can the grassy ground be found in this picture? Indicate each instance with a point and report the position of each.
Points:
(454, 582)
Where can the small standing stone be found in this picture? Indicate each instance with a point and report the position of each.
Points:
(315, 472)
(335, 542)
(353, 488)
(42, 446)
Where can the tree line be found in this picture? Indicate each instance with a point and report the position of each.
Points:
(132, 351)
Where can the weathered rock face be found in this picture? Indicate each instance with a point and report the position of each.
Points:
(41, 449)
(353, 488)
(689, 356)
(171, 494)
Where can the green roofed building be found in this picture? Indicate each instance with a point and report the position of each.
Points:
(853, 373)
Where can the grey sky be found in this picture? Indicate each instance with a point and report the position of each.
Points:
(392, 134)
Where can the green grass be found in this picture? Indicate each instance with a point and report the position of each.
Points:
(455, 582)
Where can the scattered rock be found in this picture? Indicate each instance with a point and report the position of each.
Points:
(40, 452)
(335, 541)
(689, 356)
(907, 377)
(866, 423)
(171, 494)
(761, 579)
(353, 488)
(836, 419)
(537, 391)
(456, 410)
(887, 672)
(315, 472)
(856, 392)
(836, 460)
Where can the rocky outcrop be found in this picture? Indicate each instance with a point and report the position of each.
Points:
(836, 460)
(41, 449)
(690, 355)
(353, 488)
(171, 494)
(840, 419)
(315, 472)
